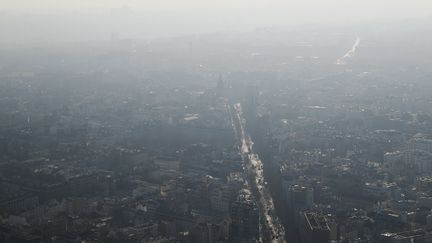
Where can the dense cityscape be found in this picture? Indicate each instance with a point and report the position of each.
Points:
(273, 135)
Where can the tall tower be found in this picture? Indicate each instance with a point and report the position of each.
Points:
(220, 86)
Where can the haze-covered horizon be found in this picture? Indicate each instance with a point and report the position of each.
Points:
(50, 21)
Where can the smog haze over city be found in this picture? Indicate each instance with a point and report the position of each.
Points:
(237, 121)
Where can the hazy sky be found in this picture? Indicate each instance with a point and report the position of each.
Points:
(84, 18)
(390, 7)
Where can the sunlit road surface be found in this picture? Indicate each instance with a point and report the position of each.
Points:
(271, 230)
(350, 54)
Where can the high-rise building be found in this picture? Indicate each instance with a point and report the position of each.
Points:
(220, 197)
(418, 160)
(245, 218)
(420, 142)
